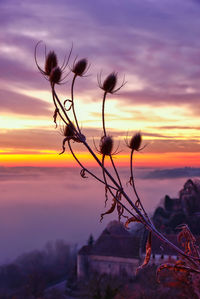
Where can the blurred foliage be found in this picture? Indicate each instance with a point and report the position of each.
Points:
(31, 273)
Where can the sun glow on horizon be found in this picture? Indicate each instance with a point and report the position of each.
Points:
(53, 159)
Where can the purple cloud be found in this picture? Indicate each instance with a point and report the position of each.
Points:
(156, 42)
(21, 104)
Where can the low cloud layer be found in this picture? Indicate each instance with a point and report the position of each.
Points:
(173, 173)
(41, 204)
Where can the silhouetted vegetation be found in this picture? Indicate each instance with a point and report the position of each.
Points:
(31, 273)
(142, 286)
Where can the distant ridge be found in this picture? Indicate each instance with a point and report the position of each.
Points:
(173, 173)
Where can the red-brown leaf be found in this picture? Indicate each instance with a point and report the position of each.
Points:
(148, 253)
(132, 219)
(176, 268)
(112, 208)
(55, 116)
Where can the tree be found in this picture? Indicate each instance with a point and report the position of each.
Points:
(91, 240)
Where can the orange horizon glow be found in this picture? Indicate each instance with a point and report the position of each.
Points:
(66, 160)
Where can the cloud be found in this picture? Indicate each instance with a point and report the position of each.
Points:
(32, 140)
(37, 139)
(32, 173)
(186, 172)
(179, 127)
(21, 104)
(172, 145)
(149, 45)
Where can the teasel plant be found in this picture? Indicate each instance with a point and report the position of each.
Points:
(131, 209)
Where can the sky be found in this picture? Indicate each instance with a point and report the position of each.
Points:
(154, 44)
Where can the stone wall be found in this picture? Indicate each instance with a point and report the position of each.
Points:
(106, 264)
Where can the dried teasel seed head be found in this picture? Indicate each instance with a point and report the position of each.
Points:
(51, 62)
(80, 66)
(135, 142)
(69, 130)
(106, 145)
(55, 75)
(110, 83)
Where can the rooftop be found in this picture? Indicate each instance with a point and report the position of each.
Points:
(115, 241)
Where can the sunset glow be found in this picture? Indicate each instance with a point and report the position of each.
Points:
(66, 160)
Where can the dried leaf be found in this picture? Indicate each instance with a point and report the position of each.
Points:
(112, 208)
(137, 203)
(106, 195)
(132, 219)
(187, 240)
(162, 267)
(175, 268)
(180, 263)
(82, 173)
(120, 210)
(55, 116)
(67, 109)
(148, 253)
(118, 195)
(130, 181)
(63, 145)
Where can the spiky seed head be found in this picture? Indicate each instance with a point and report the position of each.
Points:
(80, 67)
(55, 75)
(106, 145)
(110, 83)
(135, 142)
(69, 130)
(51, 62)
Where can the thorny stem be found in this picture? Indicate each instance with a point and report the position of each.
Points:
(103, 113)
(114, 196)
(85, 169)
(144, 220)
(132, 182)
(54, 101)
(61, 106)
(117, 174)
(72, 98)
(104, 177)
(147, 224)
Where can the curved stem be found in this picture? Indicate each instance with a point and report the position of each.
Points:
(113, 195)
(114, 182)
(103, 170)
(144, 220)
(88, 171)
(60, 105)
(103, 113)
(132, 182)
(117, 174)
(54, 101)
(72, 98)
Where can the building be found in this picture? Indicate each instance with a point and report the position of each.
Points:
(115, 252)
(160, 252)
(119, 252)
